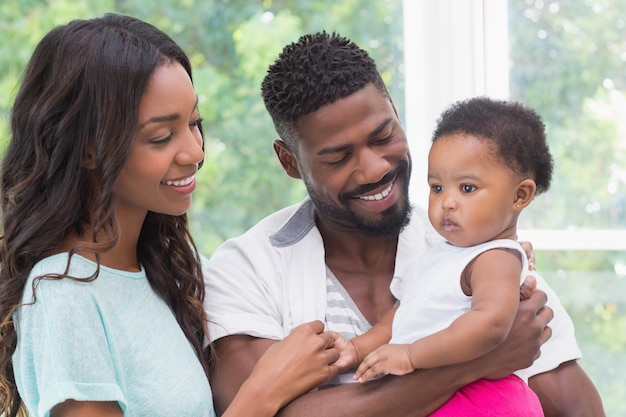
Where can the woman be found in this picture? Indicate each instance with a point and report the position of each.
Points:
(101, 286)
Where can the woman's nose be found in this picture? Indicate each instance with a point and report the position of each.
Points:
(192, 151)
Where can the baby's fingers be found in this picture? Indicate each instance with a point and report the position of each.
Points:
(368, 369)
(370, 373)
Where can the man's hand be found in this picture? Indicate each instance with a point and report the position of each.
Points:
(527, 288)
(530, 254)
(520, 349)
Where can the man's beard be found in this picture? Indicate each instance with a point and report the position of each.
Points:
(392, 220)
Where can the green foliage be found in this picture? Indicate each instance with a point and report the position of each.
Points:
(596, 303)
(571, 69)
(22, 25)
(231, 43)
(609, 317)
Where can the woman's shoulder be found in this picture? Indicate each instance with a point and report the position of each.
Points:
(44, 277)
(58, 264)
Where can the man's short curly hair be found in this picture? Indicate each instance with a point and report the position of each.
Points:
(516, 131)
(317, 70)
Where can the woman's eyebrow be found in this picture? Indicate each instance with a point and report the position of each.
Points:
(167, 117)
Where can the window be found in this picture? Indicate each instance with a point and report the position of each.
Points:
(566, 60)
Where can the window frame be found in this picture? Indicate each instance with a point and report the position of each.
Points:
(456, 49)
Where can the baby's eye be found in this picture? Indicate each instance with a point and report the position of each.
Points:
(467, 188)
(436, 188)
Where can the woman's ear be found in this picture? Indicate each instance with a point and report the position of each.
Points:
(287, 159)
(89, 161)
(525, 193)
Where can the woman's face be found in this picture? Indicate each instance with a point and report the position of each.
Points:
(159, 174)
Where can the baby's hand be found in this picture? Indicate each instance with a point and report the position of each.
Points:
(348, 356)
(387, 359)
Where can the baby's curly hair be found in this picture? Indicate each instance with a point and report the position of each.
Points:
(516, 131)
(317, 70)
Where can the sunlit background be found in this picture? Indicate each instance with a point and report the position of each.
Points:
(567, 59)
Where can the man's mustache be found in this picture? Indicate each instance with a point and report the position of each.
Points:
(365, 188)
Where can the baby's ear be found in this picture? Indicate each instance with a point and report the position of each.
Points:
(525, 193)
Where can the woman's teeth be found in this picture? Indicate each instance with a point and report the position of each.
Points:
(179, 183)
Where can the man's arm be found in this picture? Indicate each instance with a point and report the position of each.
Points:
(567, 392)
(564, 390)
(236, 356)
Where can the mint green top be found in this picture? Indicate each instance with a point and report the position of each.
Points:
(110, 339)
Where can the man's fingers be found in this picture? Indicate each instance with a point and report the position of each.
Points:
(537, 301)
(528, 287)
(524, 292)
(547, 334)
(546, 314)
(543, 338)
(530, 254)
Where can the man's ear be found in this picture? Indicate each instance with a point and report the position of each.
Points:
(287, 159)
(525, 193)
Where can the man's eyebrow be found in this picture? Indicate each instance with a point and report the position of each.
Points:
(333, 149)
(380, 128)
(342, 148)
(167, 117)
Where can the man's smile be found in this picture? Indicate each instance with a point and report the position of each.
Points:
(378, 196)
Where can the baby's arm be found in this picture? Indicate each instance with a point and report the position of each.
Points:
(493, 281)
(352, 351)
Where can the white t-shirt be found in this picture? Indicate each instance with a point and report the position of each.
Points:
(273, 278)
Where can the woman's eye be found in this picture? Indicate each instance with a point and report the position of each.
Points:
(196, 123)
(161, 141)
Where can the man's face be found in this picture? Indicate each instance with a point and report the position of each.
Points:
(354, 160)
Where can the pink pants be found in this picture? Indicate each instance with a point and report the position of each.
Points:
(508, 396)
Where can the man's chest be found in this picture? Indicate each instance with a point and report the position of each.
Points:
(369, 292)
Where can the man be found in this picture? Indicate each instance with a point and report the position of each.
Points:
(334, 256)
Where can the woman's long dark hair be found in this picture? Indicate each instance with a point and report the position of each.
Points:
(79, 101)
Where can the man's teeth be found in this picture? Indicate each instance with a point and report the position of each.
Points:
(384, 193)
(179, 183)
